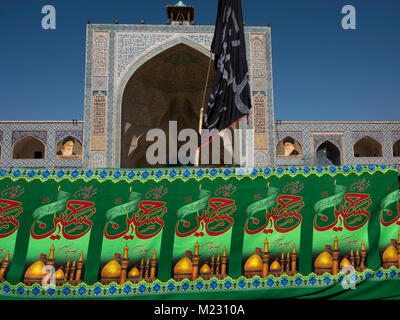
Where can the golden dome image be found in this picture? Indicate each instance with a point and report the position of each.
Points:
(345, 262)
(324, 260)
(111, 270)
(205, 269)
(254, 263)
(390, 255)
(134, 272)
(59, 274)
(35, 270)
(275, 266)
(183, 266)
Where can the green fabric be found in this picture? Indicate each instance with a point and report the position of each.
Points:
(172, 210)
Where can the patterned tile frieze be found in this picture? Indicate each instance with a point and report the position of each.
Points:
(297, 135)
(336, 139)
(51, 131)
(395, 136)
(40, 135)
(133, 45)
(347, 129)
(357, 135)
(63, 134)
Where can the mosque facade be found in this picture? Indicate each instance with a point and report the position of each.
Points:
(139, 77)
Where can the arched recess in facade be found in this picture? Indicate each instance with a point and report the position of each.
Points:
(77, 149)
(396, 149)
(368, 147)
(168, 87)
(28, 147)
(329, 151)
(280, 148)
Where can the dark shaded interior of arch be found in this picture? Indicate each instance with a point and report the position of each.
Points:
(330, 151)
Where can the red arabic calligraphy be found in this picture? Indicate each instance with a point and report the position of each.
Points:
(66, 251)
(8, 217)
(284, 217)
(12, 192)
(215, 220)
(353, 214)
(157, 193)
(146, 223)
(85, 193)
(73, 223)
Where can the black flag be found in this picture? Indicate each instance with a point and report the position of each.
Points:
(230, 99)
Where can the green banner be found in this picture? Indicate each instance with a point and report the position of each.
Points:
(195, 233)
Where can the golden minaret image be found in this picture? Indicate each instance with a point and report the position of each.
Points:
(4, 266)
(195, 262)
(71, 277)
(67, 270)
(224, 261)
(265, 258)
(124, 265)
(335, 256)
(153, 265)
(79, 269)
(50, 260)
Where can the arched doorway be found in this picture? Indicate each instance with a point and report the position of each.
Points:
(367, 147)
(168, 87)
(28, 148)
(328, 154)
(396, 149)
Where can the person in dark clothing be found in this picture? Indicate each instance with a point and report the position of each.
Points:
(290, 149)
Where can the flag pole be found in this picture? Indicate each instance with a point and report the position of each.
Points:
(196, 163)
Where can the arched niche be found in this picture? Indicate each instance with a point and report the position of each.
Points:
(168, 87)
(280, 148)
(330, 152)
(396, 149)
(367, 147)
(28, 148)
(73, 143)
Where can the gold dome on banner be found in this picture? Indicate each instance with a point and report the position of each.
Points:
(254, 263)
(35, 270)
(275, 266)
(183, 266)
(59, 274)
(205, 269)
(390, 255)
(111, 269)
(134, 272)
(324, 260)
(344, 263)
